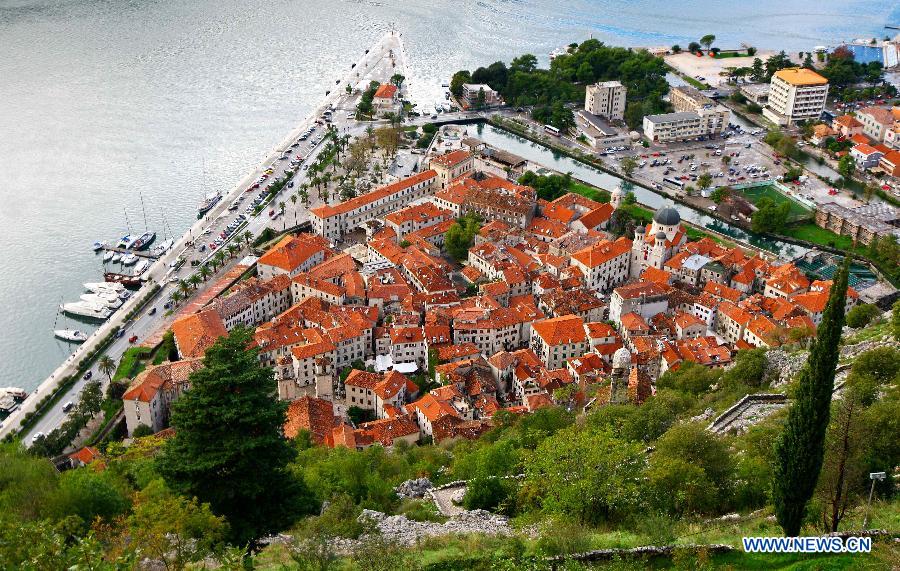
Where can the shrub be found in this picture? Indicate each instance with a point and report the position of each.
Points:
(862, 315)
(485, 494)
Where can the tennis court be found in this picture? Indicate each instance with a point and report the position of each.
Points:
(768, 190)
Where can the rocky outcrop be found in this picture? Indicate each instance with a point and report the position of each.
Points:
(415, 489)
(781, 366)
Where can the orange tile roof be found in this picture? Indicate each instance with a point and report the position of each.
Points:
(292, 251)
(313, 414)
(86, 455)
(560, 330)
(196, 333)
(363, 379)
(392, 383)
(633, 322)
(734, 312)
(656, 275)
(641, 290)
(722, 291)
(386, 430)
(848, 121)
(153, 379)
(386, 91)
(800, 77)
(326, 211)
(597, 216)
(685, 320)
(602, 252)
(451, 159)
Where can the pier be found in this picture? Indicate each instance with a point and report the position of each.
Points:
(137, 253)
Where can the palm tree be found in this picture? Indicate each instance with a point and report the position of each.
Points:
(248, 235)
(294, 203)
(195, 280)
(220, 257)
(304, 196)
(233, 249)
(176, 296)
(205, 271)
(184, 287)
(107, 365)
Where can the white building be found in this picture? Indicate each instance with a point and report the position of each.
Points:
(795, 94)
(606, 99)
(333, 222)
(656, 243)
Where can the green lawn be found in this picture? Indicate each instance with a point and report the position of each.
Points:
(133, 362)
(754, 193)
(812, 233)
(591, 192)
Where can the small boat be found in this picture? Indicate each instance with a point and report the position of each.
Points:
(108, 255)
(95, 287)
(141, 267)
(110, 302)
(143, 241)
(129, 259)
(70, 335)
(100, 245)
(124, 294)
(161, 249)
(117, 257)
(126, 241)
(85, 309)
(208, 203)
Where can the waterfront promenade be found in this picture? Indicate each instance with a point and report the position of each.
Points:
(374, 64)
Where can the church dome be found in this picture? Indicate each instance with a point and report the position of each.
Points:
(661, 235)
(667, 216)
(621, 359)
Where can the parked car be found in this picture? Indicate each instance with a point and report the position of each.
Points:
(132, 339)
(87, 376)
(68, 406)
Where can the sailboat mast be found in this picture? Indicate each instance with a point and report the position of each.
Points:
(144, 210)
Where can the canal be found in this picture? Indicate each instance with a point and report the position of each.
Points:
(551, 159)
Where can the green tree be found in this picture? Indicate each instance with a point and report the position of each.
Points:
(88, 494)
(704, 181)
(895, 319)
(26, 483)
(91, 398)
(693, 47)
(232, 404)
(107, 366)
(173, 529)
(690, 471)
(708, 40)
(769, 216)
(457, 81)
(676, 49)
(485, 493)
(461, 235)
(847, 166)
(398, 79)
(799, 449)
(564, 475)
(861, 315)
(628, 164)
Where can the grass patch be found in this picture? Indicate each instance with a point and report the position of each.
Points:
(594, 193)
(726, 55)
(133, 361)
(770, 191)
(812, 233)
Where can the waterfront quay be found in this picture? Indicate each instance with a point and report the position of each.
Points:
(385, 58)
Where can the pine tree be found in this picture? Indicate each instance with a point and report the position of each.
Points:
(228, 449)
(799, 449)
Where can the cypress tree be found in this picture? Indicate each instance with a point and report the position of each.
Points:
(229, 449)
(799, 449)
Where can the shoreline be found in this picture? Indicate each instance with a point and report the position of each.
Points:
(159, 272)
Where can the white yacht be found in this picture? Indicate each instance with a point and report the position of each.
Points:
(112, 302)
(161, 249)
(108, 255)
(95, 287)
(99, 245)
(85, 309)
(129, 259)
(141, 267)
(117, 257)
(71, 335)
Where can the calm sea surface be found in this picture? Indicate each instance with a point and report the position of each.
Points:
(105, 102)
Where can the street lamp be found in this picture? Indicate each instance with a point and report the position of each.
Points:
(874, 476)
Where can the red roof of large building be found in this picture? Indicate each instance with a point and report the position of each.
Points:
(560, 330)
(196, 333)
(386, 91)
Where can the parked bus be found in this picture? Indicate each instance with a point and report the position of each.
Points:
(551, 130)
(674, 182)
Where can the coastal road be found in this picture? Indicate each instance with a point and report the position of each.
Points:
(376, 64)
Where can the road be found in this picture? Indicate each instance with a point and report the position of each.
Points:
(376, 64)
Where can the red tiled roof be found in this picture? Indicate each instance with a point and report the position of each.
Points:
(196, 333)
(312, 414)
(326, 211)
(560, 330)
(386, 91)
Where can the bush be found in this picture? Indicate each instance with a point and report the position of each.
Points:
(485, 494)
(141, 431)
(562, 537)
(862, 315)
